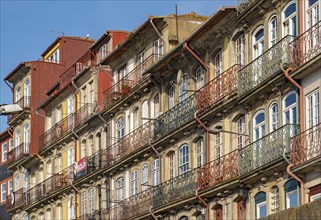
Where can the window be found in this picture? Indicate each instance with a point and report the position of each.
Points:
(71, 208)
(313, 13)
(218, 144)
(3, 192)
(10, 187)
(289, 19)
(155, 172)
(183, 89)
(120, 189)
(26, 137)
(25, 217)
(17, 182)
(218, 63)
(241, 130)
(313, 109)
(102, 52)
(183, 159)
(259, 125)
(120, 128)
(172, 165)
(145, 177)
(10, 144)
(27, 93)
(171, 100)
(134, 182)
(240, 50)
(156, 106)
(273, 117)
(275, 199)
(122, 72)
(158, 48)
(291, 189)
(4, 152)
(18, 94)
(200, 157)
(54, 57)
(260, 205)
(83, 203)
(71, 156)
(290, 109)
(91, 201)
(258, 43)
(91, 92)
(140, 61)
(200, 77)
(136, 118)
(273, 37)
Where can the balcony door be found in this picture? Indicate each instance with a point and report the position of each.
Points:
(140, 62)
(290, 110)
(71, 110)
(258, 50)
(27, 93)
(26, 138)
(258, 142)
(17, 143)
(313, 17)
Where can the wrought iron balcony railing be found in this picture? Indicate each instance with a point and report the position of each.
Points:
(306, 146)
(19, 152)
(175, 117)
(95, 215)
(218, 171)
(15, 199)
(266, 150)
(175, 189)
(64, 126)
(128, 82)
(131, 207)
(264, 67)
(24, 103)
(218, 88)
(306, 47)
(49, 186)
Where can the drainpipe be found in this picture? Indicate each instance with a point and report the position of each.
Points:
(74, 133)
(159, 158)
(101, 117)
(288, 169)
(199, 60)
(207, 136)
(207, 216)
(152, 213)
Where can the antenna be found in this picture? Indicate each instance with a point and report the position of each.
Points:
(60, 32)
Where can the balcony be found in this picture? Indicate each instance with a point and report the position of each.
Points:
(24, 103)
(49, 186)
(218, 88)
(95, 215)
(18, 153)
(244, 5)
(218, 171)
(175, 117)
(176, 189)
(266, 150)
(131, 207)
(306, 47)
(128, 82)
(306, 146)
(264, 68)
(64, 126)
(15, 199)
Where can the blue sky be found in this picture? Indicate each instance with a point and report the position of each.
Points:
(26, 26)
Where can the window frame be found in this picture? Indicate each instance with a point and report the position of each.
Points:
(241, 129)
(155, 172)
(4, 152)
(171, 97)
(172, 165)
(313, 110)
(144, 177)
(134, 182)
(240, 49)
(183, 159)
(200, 77)
(3, 192)
(200, 152)
(218, 62)
(120, 189)
(287, 22)
(273, 31)
(273, 125)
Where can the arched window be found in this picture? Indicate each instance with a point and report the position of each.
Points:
(83, 203)
(144, 177)
(91, 201)
(155, 172)
(172, 165)
(134, 182)
(290, 108)
(240, 50)
(273, 31)
(183, 89)
(200, 77)
(42, 216)
(200, 157)
(135, 118)
(258, 125)
(273, 117)
(218, 62)
(26, 137)
(183, 218)
(26, 93)
(120, 184)
(71, 208)
(98, 142)
(241, 130)
(18, 93)
(291, 189)
(313, 13)
(260, 205)
(289, 19)
(275, 199)
(48, 214)
(218, 144)
(58, 213)
(183, 160)
(71, 156)
(17, 138)
(145, 111)
(171, 98)
(258, 42)
(120, 130)
(156, 105)
(25, 217)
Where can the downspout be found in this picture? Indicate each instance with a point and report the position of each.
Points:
(152, 213)
(207, 136)
(159, 158)
(207, 217)
(288, 169)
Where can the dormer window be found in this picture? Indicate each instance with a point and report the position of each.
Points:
(54, 57)
(102, 52)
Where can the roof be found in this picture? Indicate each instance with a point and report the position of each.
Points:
(20, 66)
(104, 36)
(4, 134)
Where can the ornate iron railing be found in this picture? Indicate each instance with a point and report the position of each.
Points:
(175, 189)
(266, 150)
(24, 103)
(218, 171)
(175, 117)
(18, 153)
(218, 88)
(128, 82)
(306, 146)
(64, 126)
(307, 46)
(15, 199)
(265, 66)
(95, 215)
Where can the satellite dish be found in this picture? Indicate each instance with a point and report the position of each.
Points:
(179, 76)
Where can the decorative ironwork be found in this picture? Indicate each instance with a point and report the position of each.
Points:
(24, 103)
(176, 117)
(128, 82)
(15, 199)
(265, 66)
(306, 146)
(306, 47)
(266, 150)
(175, 189)
(95, 215)
(18, 153)
(218, 88)
(218, 171)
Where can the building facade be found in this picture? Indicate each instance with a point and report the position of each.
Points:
(188, 117)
